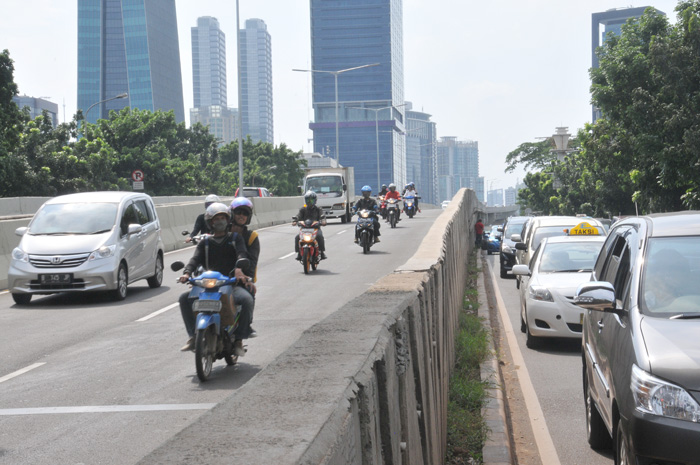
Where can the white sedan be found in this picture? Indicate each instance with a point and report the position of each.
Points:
(558, 266)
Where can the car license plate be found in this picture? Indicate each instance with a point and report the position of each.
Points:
(56, 278)
(207, 305)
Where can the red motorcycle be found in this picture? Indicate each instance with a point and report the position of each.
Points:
(382, 206)
(308, 245)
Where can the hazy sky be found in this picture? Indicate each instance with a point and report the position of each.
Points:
(501, 73)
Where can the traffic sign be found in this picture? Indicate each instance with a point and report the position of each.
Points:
(137, 175)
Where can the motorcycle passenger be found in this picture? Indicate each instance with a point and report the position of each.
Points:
(241, 214)
(219, 252)
(310, 211)
(200, 225)
(394, 194)
(367, 203)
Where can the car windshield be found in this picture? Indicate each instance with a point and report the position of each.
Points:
(325, 186)
(514, 227)
(574, 257)
(670, 277)
(74, 218)
(547, 231)
(251, 192)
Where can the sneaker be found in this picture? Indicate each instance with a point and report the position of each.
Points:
(253, 333)
(298, 257)
(357, 240)
(188, 346)
(323, 256)
(376, 239)
(238, 349)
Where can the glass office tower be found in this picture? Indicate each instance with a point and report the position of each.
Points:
(208, 63)
(346, 35)
(256, 81)
(458, 167)
(421, 154)
(129, 46)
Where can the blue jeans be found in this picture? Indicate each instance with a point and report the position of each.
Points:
(241, 297)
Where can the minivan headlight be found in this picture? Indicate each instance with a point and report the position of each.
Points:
(105, 251)
(657, 397)
(20, 255)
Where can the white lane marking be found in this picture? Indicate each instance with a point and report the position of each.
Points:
(21, 372)
(104, 409)
(545, 445)
(162, 310)
(287, 256)
(341, 232)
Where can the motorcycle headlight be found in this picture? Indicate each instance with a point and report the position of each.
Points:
(365, 214)
(20, 255)
(307, 237)
(657, 397)
(540, 293)
(105, 251)
(209, 283)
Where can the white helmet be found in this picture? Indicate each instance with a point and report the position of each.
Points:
(211, 198)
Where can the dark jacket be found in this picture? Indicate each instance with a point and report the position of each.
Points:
(366, 204)
(223, 253)
(252, 243)
(312, 213)
(200, 226)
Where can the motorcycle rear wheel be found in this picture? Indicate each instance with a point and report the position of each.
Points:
(204, 343)
(393, 220)
(305, 259)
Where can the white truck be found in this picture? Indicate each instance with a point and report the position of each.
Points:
(335, 188)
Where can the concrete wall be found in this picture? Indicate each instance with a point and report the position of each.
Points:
(367, 385)
(175, 216)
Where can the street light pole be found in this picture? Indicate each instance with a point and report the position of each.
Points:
(335, 75)
(376, 127)
(124, 95)
(240, 103)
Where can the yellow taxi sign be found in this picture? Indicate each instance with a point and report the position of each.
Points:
(583, 229)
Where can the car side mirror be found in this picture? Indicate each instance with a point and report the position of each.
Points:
(521, 246)
(521, 270)
(596, 295)
(21, 231)
(134, 229)
(345, 187)
(516, 238)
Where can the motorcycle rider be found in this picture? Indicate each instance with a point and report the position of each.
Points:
(394, 194)
(241, 214)
(367, 203)
(200, 225)
(384, 190)
(310, 211)
(219, 252)
(411, 190)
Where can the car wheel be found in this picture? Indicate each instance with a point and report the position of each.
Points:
(532, 342)
(621, 453)
(122, 280)
(157, 279)
(504, 273)
(22, 299)
(596, 432)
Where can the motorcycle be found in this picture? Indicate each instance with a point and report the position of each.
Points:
(409, 205)
(382, 206)
(308, 245)
(365, 229)
(392, 215)
(217, 318)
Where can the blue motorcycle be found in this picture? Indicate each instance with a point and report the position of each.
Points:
(217, 318)
(409, 205)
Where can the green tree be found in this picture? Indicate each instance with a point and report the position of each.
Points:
(12, 168)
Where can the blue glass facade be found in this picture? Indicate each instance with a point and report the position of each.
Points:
(128, 46)
(421, 155)
(458, 167)
(347, 34)
(256, 81)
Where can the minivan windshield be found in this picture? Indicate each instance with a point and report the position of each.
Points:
(74, 218)
(325, 186)
(670, 278)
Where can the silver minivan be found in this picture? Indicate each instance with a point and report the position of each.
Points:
(91, 241)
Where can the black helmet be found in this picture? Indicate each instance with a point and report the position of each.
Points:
(310, 198)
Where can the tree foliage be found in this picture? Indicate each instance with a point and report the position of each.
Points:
(643, 154)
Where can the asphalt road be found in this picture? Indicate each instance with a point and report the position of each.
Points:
(84, 380)
(555, 373)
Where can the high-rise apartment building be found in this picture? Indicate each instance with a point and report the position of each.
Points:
(208, 63)
(347, 35)
(36, 106)
(511, 196)
(256, 81)
(610, 21)
(458, 167)
(221, 121)
(128, 46)
(421, 154)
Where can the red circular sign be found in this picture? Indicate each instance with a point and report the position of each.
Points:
(137, 175)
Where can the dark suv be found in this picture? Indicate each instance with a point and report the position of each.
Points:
(513, 225)
(641, 341)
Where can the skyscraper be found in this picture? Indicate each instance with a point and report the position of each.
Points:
(612, 21)
(347, 35)
(208, 63)
(37, 106)
(129, 46)
(256, 81)
(458, 167)
(421, 154)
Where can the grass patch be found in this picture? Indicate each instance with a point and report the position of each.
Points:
(466, 428)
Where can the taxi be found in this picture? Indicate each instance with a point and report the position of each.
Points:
(549, 282)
